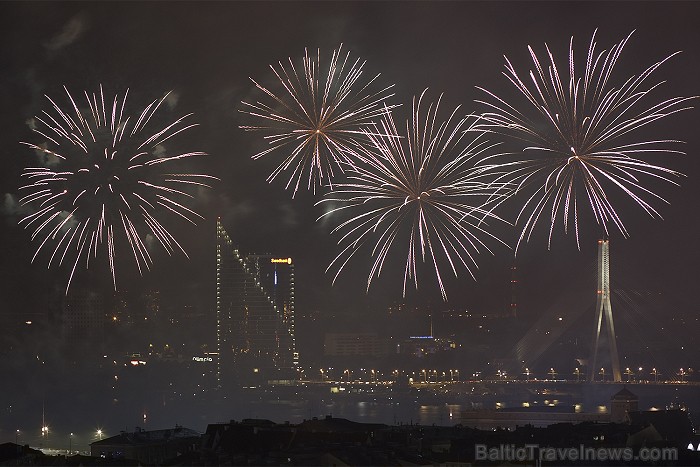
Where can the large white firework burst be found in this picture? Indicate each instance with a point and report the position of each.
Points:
(317, 116)
(105, 175)
(422, 192)
(582, 140)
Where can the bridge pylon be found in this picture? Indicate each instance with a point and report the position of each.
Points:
(604, 313)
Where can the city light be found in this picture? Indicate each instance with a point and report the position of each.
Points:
(656, 375)
(577, 372)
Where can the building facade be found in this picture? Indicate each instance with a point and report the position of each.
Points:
(254, 315)
(82, 314)
(346, 344)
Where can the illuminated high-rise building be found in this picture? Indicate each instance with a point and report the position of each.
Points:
(254, 314)
(151, 305)
(276, 277)
(121, 313)
(82, 314)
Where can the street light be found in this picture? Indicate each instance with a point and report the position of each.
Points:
(99, 434)
(681, 373)
(656, 375)
(70, 444)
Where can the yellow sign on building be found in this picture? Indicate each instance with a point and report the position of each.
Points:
(281, 260)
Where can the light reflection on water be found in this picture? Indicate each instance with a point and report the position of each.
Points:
(389, 413)
(297, 406)
(279, 411)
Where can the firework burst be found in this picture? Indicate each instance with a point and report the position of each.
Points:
(425, 187)
(105, 176)
(579, 133)
(317, 116)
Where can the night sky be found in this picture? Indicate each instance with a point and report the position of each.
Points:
(206, 52)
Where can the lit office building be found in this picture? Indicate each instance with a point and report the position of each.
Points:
(82, 314)
(354, 344)
(151, 305)
(254, 314)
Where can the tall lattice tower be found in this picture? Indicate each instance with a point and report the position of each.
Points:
(513, 291)
(604, 309)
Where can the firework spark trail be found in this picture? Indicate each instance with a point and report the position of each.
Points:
(581, 153)
(104, 182)
(318, 116)
(420, 186)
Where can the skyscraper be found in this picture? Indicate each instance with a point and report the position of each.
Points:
(276, 277)
(82, 315)
(254, 314)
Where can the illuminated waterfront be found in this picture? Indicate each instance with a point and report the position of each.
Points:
(422, 403)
